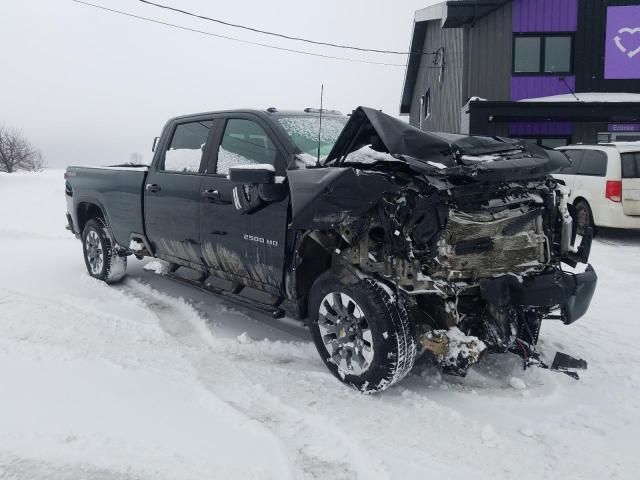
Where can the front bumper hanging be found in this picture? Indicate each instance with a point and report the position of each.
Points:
(571, 291)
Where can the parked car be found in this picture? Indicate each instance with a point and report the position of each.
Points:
(397, 243)
(605, 184)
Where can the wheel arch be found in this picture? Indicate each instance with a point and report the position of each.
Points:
(87, 210)
(313, 255)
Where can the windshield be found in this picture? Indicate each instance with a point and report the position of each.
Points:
(303, 132)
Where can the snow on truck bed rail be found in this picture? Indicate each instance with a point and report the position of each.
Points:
(151, 379)
(134, 168)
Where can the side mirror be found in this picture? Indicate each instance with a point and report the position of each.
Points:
(258, 174)
(256, 187)
(155, 144)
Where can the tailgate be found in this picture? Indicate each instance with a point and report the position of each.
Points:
(631, 183)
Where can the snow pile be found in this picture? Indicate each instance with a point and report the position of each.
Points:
(367, 154)
(151, 379)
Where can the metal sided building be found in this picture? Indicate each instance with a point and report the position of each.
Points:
(554, 71)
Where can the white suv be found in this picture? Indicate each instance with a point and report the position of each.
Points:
(605, 184)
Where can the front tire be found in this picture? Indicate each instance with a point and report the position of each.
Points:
(363, 335)
(584, 217)
(100, 256)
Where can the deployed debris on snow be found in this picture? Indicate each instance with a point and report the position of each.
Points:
(453, 350)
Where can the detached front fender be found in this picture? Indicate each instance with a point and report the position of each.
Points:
(322, 198)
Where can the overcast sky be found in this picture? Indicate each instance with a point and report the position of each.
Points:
(89, 86)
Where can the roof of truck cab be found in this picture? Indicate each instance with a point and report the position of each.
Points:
(260, 113)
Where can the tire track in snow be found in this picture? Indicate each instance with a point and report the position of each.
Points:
(318, 450)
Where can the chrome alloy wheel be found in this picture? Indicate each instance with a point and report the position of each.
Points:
(345, 333)
(94, 251)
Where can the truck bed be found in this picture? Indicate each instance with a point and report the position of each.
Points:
(117, 190)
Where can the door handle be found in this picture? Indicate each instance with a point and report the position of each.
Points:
(152, 187)
(213, 194)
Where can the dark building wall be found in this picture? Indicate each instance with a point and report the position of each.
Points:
(444, 84)
(478, 63)
(590, 48)
(489, 56)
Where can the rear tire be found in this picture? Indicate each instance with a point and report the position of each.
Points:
(584, 217)
(362, 334)
(100, 256)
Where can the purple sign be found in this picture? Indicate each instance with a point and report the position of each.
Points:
(622, 52)
(624, 127)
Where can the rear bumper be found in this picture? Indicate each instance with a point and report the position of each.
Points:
(71, 227)
(572, 292)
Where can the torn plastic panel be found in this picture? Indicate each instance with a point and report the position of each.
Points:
(572, 292)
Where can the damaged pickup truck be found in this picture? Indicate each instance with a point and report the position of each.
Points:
(395, 244)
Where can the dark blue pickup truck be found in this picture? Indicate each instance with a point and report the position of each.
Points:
(391, 242)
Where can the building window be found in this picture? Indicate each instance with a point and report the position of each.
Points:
(425, 106)
(542, 54)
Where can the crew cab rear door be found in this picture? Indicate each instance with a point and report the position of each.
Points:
(172, 192)
(247, 248)
(631, 182)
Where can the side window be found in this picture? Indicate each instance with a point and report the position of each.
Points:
(184, 153)
(575, 156)
(244, 142)
(542, 54)
(593, 164)
(527, 52)
(631, 165)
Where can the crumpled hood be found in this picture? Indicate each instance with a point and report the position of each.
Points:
(454, 155)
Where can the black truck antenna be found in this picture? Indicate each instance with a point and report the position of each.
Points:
(320, 126)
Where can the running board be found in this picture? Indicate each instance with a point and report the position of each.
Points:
(274, 311)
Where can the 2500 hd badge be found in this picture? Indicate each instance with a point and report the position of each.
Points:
(255, 238)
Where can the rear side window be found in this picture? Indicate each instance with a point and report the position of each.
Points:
(575, 156)
(631, 165)
(244, 143)
(593, 164)
(184, 153)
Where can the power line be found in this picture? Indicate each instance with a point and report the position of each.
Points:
(274, 47)
(281, 35)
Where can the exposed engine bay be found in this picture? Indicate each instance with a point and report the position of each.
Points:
(473, 249)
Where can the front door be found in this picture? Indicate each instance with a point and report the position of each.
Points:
(173, 193)
(247, 248)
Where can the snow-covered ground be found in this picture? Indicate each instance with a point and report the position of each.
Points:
(152, 380)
